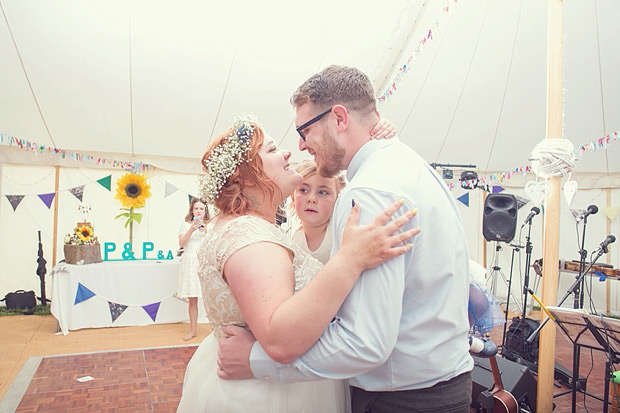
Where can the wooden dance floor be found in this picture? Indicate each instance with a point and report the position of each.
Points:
(151, 380)
(124, 381)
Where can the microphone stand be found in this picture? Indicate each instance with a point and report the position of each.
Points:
(578, 303)
(572, 289)
(578, 300)
(526, 286)
(515, 249)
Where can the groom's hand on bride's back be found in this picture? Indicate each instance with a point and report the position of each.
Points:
(234, 353)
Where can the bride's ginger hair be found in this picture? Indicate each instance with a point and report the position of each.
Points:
(231, 199)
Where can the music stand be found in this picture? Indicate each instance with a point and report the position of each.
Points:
(593, 332)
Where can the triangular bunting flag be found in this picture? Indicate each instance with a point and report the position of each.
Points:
(15, 200)
(82, 294)
(577, 214)
(521, 201)
(190, 198)
(106, 182)
(78, 192)
(151, 310)
(464, 199)
(497, 189)
(116, 310)
(47, 199)
(611, 212)
(170, 189)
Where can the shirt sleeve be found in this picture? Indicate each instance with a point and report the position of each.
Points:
(364, 332)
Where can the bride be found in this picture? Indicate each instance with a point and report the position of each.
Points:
(254, 276)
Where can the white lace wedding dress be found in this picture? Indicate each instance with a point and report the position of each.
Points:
(203, 390)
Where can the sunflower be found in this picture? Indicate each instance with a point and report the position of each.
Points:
(132, 190)
(84, 233)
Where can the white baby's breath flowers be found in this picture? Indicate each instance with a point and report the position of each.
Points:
(227, 156)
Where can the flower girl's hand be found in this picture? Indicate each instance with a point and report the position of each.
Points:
(384, 129)
(234, 353)
(368, 246)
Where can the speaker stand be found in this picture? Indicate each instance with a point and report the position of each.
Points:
(497, 271)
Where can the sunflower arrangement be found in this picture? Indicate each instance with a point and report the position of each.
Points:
(133, 191)
(83, 234)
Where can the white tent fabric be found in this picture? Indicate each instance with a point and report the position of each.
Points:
(154, 81)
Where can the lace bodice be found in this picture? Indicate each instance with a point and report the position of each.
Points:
(220, 305)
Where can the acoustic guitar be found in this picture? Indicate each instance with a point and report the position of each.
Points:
(504, 401)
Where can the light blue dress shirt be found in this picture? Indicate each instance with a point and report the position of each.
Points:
(404, 325)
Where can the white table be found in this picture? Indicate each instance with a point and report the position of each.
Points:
(131, 283)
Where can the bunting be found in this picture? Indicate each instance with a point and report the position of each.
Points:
(105, 182)
(37, 149)
(47, 199)
(611, 212)
(151, 310)
(464, 199)
(497, 189)
(523, 170)
(116, 310)
(15, 200)
(170, 189)
(577, 213)
(78, 192)
(404, 69)
(82, 294)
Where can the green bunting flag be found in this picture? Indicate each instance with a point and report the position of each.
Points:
(106, 182)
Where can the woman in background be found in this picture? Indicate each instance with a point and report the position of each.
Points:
(191, 235)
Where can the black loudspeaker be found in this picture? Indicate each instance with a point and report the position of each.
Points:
(499, 220)
(516, 379)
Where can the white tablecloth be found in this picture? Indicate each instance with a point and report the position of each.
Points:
(131, 283)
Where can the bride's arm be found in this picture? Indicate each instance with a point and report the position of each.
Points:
(262, 280)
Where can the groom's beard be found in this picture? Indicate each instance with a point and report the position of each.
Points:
(330, 157)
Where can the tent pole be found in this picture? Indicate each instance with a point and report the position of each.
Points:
(55, 235)
(546, 354)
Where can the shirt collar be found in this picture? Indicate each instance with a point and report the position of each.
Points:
(364, 152)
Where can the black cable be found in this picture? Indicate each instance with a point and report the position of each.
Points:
(587, 377)
(521, 272)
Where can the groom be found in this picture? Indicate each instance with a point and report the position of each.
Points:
(401, 335)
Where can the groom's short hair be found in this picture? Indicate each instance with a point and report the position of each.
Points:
(337, 85)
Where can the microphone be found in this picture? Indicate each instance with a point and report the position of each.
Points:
(535, 211)
(603, 245)
(592, 209)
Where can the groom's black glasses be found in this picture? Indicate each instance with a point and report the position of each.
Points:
(310, 122)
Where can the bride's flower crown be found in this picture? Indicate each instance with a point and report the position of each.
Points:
(227, 156)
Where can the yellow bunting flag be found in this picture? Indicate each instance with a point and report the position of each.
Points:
(611, 212)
